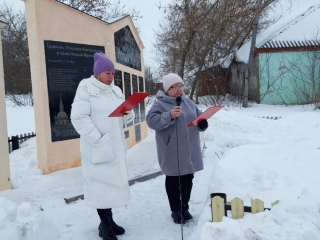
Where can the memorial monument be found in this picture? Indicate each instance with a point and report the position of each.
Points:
(62, 41)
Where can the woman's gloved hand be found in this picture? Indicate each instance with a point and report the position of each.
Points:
(128, 117)
(203, 125)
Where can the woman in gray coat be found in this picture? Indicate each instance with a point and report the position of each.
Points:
(178, 146)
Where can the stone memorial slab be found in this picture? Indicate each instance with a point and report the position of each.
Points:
(142, 105)
(118, 79)
(138, 132)
(127, 50)
(66, 65)
(127, 84)
(127, 88)
(135, 88)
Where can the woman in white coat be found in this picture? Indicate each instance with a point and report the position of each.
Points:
(102, 144)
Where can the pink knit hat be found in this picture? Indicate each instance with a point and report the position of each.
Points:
(170, 79)
(102, 63)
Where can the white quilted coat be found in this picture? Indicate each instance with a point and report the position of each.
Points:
(102, 144)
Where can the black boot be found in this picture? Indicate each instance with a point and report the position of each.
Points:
(186, 215)
(106, 229)
(118, 230)
(177, 217)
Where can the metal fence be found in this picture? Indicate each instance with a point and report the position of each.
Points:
(15, 141)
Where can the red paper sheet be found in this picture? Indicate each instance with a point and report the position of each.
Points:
(205, 115)
(129, 104)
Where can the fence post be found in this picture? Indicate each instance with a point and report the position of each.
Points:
(218, 200)
(275, 203)
(237, 208)
(15, 142)
(257, 206)
(9, 145)
(20, 139)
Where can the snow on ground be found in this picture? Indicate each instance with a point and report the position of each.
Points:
(246, 154)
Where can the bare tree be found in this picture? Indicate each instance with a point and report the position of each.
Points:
(199, 34)
(16, 56)
(272, 81)
(249, 74)
(305, 78)
(149, 81)
(102, 9)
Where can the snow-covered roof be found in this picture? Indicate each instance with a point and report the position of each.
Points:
(287, 44)
(109, 21)
(299, 29)
(225, 62)
(113, 20)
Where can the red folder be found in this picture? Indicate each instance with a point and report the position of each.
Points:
(129, 104)
(205, 115)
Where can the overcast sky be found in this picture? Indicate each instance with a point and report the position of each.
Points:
(151, 16)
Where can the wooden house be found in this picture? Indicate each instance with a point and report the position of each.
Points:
(287, 61)
(214, 81)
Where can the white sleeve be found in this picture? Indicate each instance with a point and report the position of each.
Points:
(80, 116)
(128, 117)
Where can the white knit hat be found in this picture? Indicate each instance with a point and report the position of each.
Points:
(170, 79)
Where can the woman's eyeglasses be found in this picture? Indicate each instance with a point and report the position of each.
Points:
(176, 87)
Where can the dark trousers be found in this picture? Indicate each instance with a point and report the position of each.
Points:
(173, 192)
(103, 213)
